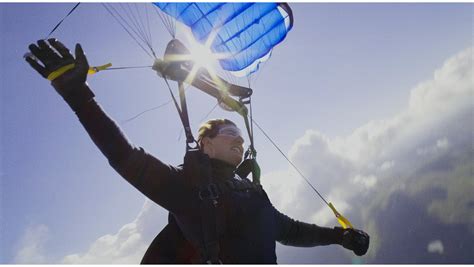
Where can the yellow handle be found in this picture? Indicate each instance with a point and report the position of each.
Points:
(341, 219)
(94, 70)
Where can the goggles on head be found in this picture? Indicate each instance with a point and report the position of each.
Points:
(230, 130)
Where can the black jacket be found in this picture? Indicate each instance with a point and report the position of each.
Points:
(250, 224)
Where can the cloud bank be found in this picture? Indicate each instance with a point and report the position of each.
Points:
(437, 121)
(128, 245)
(31, 247)
(427, 147)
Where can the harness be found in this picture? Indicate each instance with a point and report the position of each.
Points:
(197, 170)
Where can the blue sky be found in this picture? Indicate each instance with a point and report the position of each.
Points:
(352, 85)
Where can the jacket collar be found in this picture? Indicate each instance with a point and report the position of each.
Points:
(221, 169)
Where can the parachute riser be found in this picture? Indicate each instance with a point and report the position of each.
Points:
(181, 70)
(168, 71)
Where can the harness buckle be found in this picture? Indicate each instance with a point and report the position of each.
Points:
(210, 192)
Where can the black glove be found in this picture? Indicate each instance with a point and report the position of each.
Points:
(54, 56)
(355, 240)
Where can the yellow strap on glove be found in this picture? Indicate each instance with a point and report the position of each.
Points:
(55, 74)
(92, 70)
(341, 219)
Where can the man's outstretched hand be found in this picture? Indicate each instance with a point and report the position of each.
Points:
(54, 57)
(67, 74)
(355, 240)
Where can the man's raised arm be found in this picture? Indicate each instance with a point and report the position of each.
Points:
(68, 76)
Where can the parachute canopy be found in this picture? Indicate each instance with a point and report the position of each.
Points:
(245, 32)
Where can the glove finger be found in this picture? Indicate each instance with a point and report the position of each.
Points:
(81, 60)
(38, 53)
(48, 52)
(35, 65)
(61, 48)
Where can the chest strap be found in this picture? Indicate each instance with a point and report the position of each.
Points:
(197, 170)
(242, 184)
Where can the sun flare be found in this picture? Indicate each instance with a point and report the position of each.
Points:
(202, 56)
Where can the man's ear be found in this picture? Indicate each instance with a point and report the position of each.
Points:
(207, 146)
(205, 141)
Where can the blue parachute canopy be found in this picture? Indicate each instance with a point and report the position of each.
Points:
(247, 32)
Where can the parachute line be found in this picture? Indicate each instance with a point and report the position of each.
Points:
(129, 12)
(251, 123)
(145, 111)
(343, 221)
(167, 21)
(148, 27)
(138, 25)
(291, 163)
(135, 21)
(209, 113)
(119, 19)
(62, 20)
(126, 68)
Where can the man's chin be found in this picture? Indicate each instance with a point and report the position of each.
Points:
(236, 162)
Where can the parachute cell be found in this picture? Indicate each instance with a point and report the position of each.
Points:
(244, 32)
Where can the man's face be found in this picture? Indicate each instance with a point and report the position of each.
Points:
(226, 146)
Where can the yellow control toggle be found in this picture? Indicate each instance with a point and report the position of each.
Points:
(341, 219)
(94, 70)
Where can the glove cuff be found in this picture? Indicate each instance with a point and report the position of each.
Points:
(77, 97)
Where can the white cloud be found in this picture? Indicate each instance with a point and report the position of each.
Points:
(451, 86)
(439, 146)
(32, 244)
(128, 245)
(435, 122)
(442, 143)
(435, 246)
(387, 165)
(282, 196)
(367, 181)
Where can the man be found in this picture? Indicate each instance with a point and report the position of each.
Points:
(215, 215)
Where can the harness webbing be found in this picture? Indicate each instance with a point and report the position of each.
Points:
(198, 172)
(183, 113)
